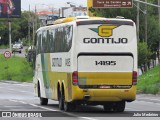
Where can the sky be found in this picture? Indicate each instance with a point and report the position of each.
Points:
(55, 3)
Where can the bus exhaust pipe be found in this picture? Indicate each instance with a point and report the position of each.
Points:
(87, 97)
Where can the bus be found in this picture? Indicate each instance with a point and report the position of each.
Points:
(86, 61)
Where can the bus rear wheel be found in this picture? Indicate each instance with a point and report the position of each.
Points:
(108, 107)
(114, 107)
(120, 106)
(68, 106)
(61, 101)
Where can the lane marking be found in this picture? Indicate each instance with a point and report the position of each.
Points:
(43, 107)
(22, 102)
(148, 99)
(71, 114)
(127, 108)
(10, 89)
(149, 102)
(17, 84)
(87, 118)
(13, 100)
(19, 91)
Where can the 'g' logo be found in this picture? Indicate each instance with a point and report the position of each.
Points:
(105, 30)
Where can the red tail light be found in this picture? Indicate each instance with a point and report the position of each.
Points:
(75, 78)
(78, 22)
(134, 78)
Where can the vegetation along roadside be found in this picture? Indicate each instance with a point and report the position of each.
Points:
(15, 68)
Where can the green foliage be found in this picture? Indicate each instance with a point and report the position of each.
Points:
(15, 68)
(19, 28)
(149, 82)
(4, 46)
(144, 53)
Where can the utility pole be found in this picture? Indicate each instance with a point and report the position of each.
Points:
(138, 21)
(146, 22)
(29, 31)
(10, 32)
(33, 31)
(10, 36)
(159, 34)
(36, 21)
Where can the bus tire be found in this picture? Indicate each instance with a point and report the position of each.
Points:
(108, 107)
(61, 101)
(69, 106)
(43, 101)
(119, 106)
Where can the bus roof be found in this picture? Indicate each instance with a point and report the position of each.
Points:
(86, 18)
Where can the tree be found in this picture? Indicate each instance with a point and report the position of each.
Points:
(19, 27)
(144, 55)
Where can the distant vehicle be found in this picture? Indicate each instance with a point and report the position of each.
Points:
(17, 47)
(29, 55)
(50, 19)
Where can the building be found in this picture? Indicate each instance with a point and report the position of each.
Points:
(46, 14)
(73, 11)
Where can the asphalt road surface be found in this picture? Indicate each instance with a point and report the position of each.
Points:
(15, 96)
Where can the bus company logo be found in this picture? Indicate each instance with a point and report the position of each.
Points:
(104, 30)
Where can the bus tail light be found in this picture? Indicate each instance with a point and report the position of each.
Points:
(134, 78)
(75, 78)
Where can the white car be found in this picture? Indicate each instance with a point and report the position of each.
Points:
(17, 47)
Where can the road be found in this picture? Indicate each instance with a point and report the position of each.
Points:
(16, 53)
(15, 96)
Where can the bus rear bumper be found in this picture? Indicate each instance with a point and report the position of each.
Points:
(104, 95)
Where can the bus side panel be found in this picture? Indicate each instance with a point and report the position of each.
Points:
(38, 77)
(60, 73)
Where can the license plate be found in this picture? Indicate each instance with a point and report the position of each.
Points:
(104, 87)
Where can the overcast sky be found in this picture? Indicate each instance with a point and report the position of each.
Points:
(54, 3)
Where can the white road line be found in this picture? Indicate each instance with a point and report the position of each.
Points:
(148, 99)
(25, 92)
(43, 107)
(149, 102)
(71, 114)
(16, 84)
(63, 112)
(87, 118)
(10, 89)
(132, 109)
(19, 91)
(13, 100)
(21, 85)
(22, 102)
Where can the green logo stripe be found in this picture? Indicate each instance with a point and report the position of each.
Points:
(44, 62)
(94, 29)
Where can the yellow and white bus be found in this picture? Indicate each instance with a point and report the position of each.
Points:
(84, 60)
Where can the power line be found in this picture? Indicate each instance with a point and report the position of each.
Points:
(147, 3)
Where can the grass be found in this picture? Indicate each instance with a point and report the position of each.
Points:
(4, 46)
(15, 68)
(149, 82)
